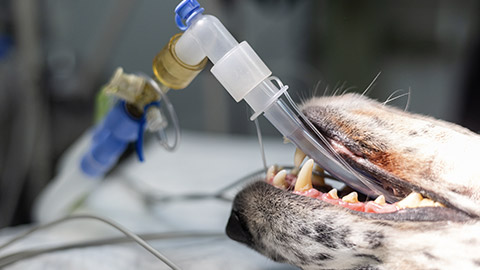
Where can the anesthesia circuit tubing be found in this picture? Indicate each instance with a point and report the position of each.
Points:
(245, 76)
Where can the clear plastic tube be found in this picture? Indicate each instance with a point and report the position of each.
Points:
(244, 75)
(287, 122)
(161, 134)
(207, 36)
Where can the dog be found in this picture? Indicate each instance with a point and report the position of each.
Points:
(432, 164)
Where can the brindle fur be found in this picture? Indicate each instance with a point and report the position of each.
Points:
(417, 152)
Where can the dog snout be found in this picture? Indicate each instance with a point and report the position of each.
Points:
(237, 230)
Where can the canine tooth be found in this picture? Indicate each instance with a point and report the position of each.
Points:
(333, 193)
(279, 179)
(271, 172)
(426, 203)
(351, 198)
(298, 158)
(286, 140)
(380, 200)
(411, 201)
(304, 178)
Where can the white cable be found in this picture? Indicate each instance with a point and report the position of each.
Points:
(26, 254)
(129, 236)
(117, 226)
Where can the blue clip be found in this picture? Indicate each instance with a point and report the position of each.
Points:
(186, 11)
(141, 128)
(110, 139)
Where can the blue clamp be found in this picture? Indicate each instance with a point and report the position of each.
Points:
(111, 137)
(186, 11)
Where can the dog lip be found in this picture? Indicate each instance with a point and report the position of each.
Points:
(347, 150)
(423, 214)
(392, 185)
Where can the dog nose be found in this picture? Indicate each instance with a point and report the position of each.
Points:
(237, 230)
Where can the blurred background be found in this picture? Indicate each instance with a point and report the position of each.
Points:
(56, 54)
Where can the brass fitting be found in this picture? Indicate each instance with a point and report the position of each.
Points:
(171, 71)
(133, 89)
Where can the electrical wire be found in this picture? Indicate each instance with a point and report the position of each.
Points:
(26, 254)
(129, 236)
(220, 194)
(117, 226)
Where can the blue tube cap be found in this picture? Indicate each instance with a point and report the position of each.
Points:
(186, 11)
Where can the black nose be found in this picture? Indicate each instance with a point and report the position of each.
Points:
(237, 229)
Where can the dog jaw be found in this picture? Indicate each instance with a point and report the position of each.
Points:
(436, 157)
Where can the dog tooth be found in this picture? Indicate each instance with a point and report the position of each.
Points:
(411, 201)
(279, 179)
(333, 193)
(286, 140)
(426, 203)
(298, 158)
(304, 178)
(271, 172)
(380, 200)
(351, 198)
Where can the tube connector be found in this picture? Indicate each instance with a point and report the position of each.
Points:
(171, 71)
(125, 86)
(186, 11)
(240, 71)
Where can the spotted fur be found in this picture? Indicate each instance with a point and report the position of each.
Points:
(410, 151)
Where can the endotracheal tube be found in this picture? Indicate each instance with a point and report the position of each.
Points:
(246, 77)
